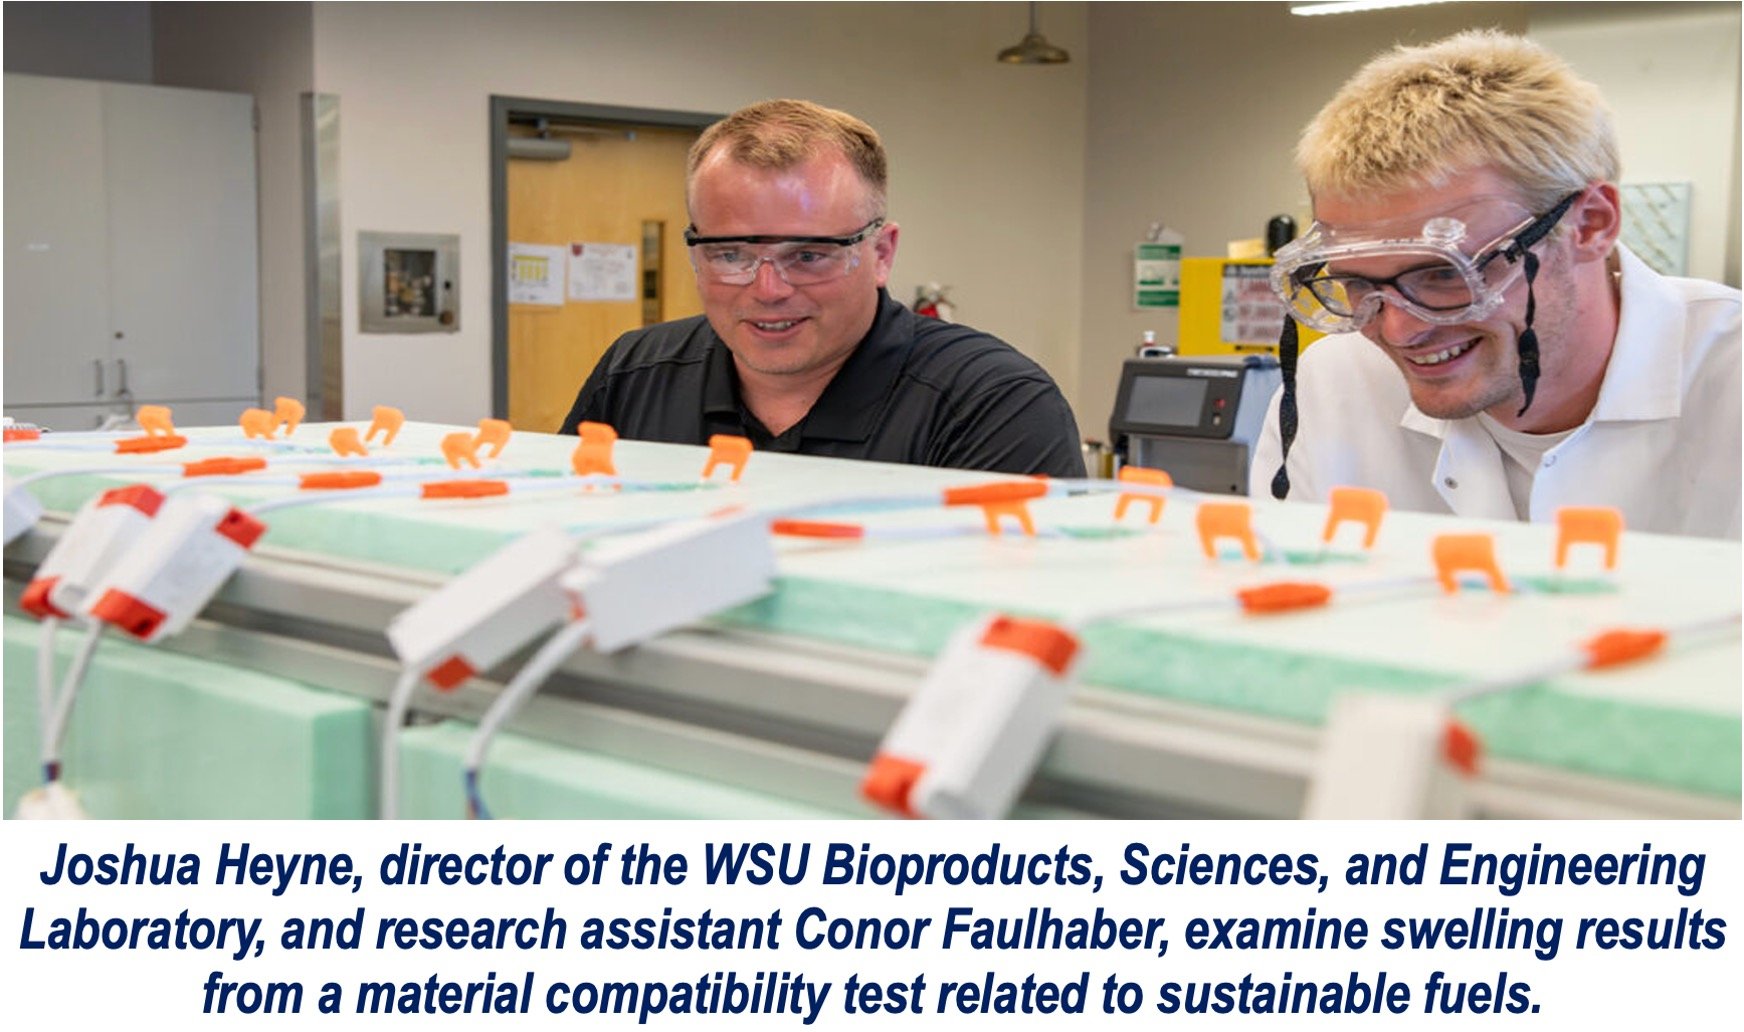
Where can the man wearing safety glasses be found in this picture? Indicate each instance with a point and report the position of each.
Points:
(1496, 352)
(800, 347)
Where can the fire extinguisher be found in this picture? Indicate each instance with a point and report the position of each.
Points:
(930, 301)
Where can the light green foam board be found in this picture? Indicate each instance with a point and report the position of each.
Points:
(529, 779)
(1672, 722)
(157, 734)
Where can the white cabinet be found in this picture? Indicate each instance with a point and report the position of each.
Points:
(131, 251)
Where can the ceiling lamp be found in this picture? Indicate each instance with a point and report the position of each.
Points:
(1034, 48)
(1353, 6)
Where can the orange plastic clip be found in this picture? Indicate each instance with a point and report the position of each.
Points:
(494, 432)
(816, 529)
(460, 448)
(889, 781)
(1363, 505)
(1048, 644)
(223, 466)
(1141, 475)
(155, 420)
(1218, 520)
(1475, 552)
(726, 448)
(594, 453)
(388, 421)
(257, 422)
(449, 675)
(1283, 596)
(148, 444)
(1005, 498)
(23, 433)
(344, 441)
(1599, 525)
(1461, 748)
(1621, 646)
(342, 480)
(466, 488)
(289, 413)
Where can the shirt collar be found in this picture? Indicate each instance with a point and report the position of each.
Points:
(850, 406)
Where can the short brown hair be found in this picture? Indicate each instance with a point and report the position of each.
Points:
(780, 134)
(1416, 117)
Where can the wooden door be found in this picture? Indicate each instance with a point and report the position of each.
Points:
(617, 186)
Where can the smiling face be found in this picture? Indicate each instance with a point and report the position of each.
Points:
(774, 329)
(1459, 370)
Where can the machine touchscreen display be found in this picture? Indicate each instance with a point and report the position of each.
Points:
(1166, 400)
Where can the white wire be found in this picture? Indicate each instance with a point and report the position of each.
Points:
(75, 676)
(45, 682)
(1580, 658)
(399, 701)
(533, 673)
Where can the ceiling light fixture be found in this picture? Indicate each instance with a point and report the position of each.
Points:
(1034, 48)
(1354, 6)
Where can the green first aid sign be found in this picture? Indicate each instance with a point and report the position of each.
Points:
(1156, 276)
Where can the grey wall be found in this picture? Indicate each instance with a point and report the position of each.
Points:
(110, 41)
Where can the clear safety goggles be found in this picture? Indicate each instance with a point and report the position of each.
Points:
(798, 260)
(1441, 283)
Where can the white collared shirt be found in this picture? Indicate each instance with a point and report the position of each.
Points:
(1662, 443)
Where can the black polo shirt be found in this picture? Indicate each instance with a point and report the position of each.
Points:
(915, 390)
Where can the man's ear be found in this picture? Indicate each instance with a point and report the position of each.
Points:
(1596, 219)
(884, 250)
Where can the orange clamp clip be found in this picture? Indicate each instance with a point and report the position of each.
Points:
(1363, 505)
(1048, 644)
(223, 466)
(155, 420)
(343, 480)
(594, 453)
(1005, 498)
(388, 421)
(726, 448)
(1622, 646)
(459, 448)
(1218, 520)
(1283, 596)
(889, 781)
(148, 444)
(289, 413)
(23, 433)
(257, 423)
(816, 529)
(494, 432)
(465, 488)
(345, 442)
(1599, 525)
(1475, 552)
(1461, 748)
(1141, 475)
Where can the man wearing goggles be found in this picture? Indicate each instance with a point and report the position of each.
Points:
(800, 347)
(1496, 352)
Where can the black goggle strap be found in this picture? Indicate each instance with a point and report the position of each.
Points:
(1286, 406)
(1528, 345)
(1520, 251)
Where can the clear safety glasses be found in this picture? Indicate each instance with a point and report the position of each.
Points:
(799, 260)
(1441, 284)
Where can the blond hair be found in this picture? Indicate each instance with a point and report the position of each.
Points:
(1416, 117)
(779, 134)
